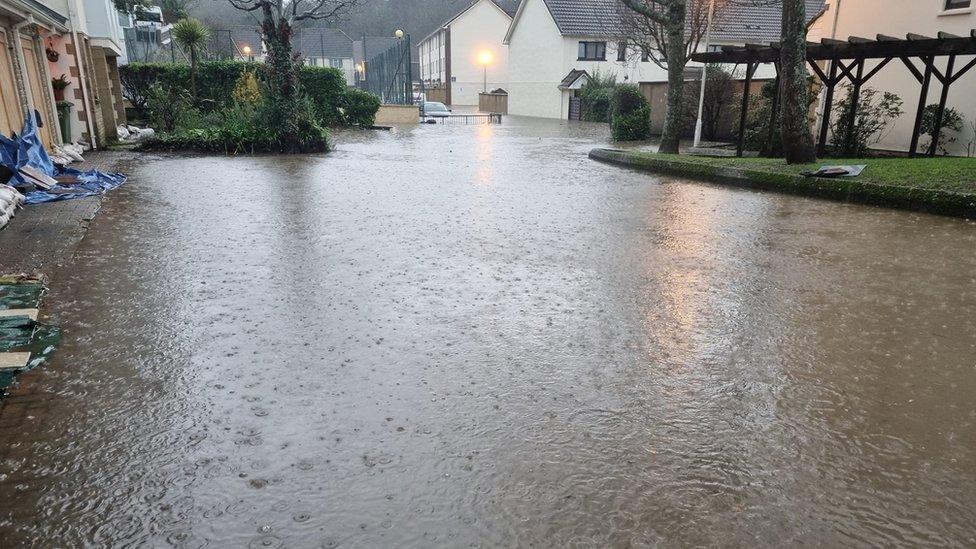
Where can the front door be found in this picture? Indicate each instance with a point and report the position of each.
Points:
(575, 108)
(39, 90)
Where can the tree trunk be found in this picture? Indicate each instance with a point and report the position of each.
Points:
(795, 126)
(282, 76)
(673, 119)
(193, 72)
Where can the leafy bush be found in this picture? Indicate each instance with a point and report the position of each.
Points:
(169, 108)
(873, 116)
(360, 107)
(630, 114)
(595, 97)
(247, 89)
(758, 116)
(952, 121)
(326, 87)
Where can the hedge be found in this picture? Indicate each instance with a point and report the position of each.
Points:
(630, 118)
(326, 87)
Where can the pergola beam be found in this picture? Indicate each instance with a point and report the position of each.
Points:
(847, 61)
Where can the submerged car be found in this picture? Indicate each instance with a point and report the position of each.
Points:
(434, 109)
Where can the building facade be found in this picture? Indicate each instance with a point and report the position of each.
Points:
(897, 18)
(554, 46)
(41, 42)
(465, 55)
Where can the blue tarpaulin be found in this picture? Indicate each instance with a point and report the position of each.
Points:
(27, 150)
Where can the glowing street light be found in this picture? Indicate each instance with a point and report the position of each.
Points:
(485, 59)
(247, 52)
(398, 34)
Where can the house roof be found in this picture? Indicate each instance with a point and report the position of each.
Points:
(323, 43)
(571, 78)
(510, 7)
(746, 21)
(757, 22)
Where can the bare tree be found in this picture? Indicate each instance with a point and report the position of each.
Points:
(669, 17)
(795, 127)
(281, 63)
(651, 26)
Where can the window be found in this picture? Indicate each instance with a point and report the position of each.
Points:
(592, 51)
(957, 4)
(645, 55)
(621, 51)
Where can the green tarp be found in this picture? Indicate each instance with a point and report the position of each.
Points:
(20, 333)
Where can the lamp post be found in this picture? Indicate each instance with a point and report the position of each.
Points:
(485, 59)
(247, 52)
(701, 94)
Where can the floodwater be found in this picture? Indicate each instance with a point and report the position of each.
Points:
(475, 336)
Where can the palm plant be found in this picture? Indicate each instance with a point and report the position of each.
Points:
(191, 34)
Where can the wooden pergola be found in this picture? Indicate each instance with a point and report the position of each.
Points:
(847, 60)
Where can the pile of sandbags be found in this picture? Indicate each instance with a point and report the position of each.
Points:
(10, 200)
(131, 134)
(67, 153)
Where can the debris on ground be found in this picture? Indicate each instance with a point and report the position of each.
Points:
(33, 173)
(837, 171)
(133, 134)
(25, 343)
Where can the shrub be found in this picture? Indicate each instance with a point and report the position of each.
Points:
(247, 90)
(952, 121)
(360, 107)
(169, 108)
(719, 105)
(595, 97)
(873, 116)
(326, 87)
(630, 114)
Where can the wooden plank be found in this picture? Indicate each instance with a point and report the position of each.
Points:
(14, 361)
(10, 313)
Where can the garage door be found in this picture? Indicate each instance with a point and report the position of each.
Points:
(11, 117)
(39, 90)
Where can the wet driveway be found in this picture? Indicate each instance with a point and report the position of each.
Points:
(475, 336)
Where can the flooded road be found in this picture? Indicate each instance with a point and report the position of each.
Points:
(475, 336)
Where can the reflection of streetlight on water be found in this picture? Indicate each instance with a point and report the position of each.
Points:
(485, 58)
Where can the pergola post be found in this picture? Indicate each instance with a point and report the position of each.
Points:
(922, 100)
(939, 114)
(828, 107)
(855, 99)
(745, 110)
(774, 110)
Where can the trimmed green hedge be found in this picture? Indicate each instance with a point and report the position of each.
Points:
(630, 118)
(325, 87)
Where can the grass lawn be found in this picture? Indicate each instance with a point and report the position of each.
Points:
(942, 173)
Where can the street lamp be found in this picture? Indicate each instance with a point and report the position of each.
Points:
(485, 58)
(701, 94)
(398, 34)
(247, 52)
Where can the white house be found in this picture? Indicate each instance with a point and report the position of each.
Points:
(466, 53)
(327, 48)
(555, 45)
(868, 18)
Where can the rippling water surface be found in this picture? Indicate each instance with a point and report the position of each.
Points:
(475, 336)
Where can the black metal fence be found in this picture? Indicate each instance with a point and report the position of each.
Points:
(390, 74)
